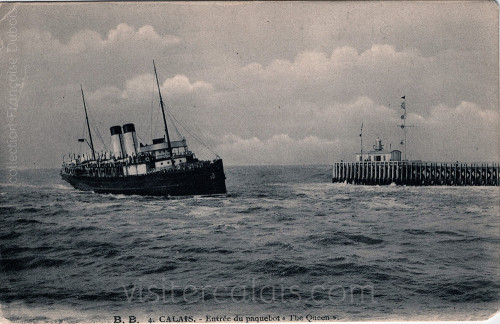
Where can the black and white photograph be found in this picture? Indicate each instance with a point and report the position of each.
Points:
(249, 162)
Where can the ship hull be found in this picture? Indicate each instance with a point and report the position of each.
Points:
(206, 180)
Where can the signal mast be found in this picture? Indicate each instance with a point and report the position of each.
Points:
(403, 125)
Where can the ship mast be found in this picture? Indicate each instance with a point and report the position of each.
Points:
(163, 112)
(88, 125)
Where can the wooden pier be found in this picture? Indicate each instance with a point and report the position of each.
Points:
(417, 173)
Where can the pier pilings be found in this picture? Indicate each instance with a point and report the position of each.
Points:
(417, 173)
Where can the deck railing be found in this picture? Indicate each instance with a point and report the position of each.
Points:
(117, 170)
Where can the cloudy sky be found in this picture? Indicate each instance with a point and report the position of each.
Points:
(259, 83)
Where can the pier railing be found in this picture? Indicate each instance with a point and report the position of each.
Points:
(417, 173)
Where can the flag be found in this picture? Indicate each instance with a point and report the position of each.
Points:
(403, 105)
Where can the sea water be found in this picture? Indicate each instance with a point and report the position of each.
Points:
(283, 242)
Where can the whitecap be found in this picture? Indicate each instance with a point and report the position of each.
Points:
(62, 187)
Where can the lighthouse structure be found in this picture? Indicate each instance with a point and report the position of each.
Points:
(384, 167)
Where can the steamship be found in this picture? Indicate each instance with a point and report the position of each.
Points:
(163, 168)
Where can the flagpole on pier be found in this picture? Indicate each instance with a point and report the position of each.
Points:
(404, 126)
(361, 136)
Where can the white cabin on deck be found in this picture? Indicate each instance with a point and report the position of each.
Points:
(378, 154)
(160, 148)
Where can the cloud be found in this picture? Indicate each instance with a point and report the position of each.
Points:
(123, 35)
(140, 87)
(382, 73)
(318, 65)
(262, 70)
(126, 33)
(106, 92)
(180, 84)
(465, 132)
(279, 149)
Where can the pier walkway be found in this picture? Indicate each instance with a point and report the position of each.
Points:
(417, 173)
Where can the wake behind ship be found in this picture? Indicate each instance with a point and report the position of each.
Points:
(162, 168)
